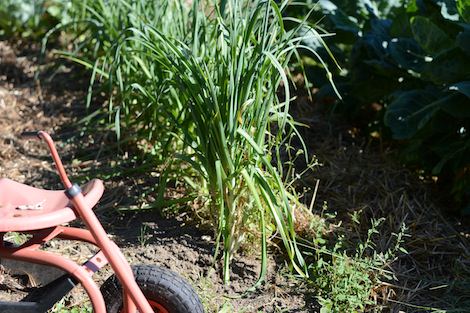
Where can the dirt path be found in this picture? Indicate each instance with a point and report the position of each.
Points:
(145, 237)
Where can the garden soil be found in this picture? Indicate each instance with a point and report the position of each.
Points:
(357, 175)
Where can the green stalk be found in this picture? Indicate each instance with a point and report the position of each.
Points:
(201, 85)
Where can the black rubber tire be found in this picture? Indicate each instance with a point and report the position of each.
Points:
(158, 284)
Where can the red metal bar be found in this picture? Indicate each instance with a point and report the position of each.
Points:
(55, 156)
(41, 236)
(117, 261)
(30, 254)
(128, 305)
(73, 233)
(62, 232)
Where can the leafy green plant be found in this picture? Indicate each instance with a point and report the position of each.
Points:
(345, 277)
(200, 86)
(407, 76)
(60, 308)
(31, 18)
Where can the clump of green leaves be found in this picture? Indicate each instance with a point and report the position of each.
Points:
(201, 87)
(407, 77)
(31, 18)
(346, 274)
(60, 308)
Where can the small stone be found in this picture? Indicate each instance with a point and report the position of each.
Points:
(206, 238)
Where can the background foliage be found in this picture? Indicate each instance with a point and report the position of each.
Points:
(32, 18)
(406, 76)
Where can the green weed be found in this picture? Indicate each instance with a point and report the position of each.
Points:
(61, 307)
(346, 274)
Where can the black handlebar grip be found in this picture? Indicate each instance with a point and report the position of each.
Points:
(31, 134)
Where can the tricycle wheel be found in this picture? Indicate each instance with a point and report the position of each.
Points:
(166, 291)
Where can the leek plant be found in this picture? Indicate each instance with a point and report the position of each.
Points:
(200, 81)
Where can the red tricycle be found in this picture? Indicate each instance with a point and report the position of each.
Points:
(40, 214)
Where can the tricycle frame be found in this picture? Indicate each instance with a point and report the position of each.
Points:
(133, 298)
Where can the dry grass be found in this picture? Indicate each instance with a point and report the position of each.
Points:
(358, 175)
